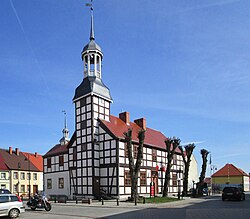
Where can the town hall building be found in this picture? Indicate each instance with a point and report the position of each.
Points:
(95, 159)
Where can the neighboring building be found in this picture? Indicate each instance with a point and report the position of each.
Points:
(95, 158)
(25, 171)
(193, 175)
(4, 175)
(56, 170)
(230, 175)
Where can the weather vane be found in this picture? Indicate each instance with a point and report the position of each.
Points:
(65, 118)
(90, 5)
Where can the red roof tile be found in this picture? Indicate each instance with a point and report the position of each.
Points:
(229, 170)
(60, 149)
(2, 163)
(15, 162)
(152, 137)
(35, 159)
(57, 149)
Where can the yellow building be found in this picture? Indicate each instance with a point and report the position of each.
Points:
(25, 171)
(230, 175)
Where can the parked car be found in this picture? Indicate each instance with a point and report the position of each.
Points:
(233, 193)
(11, 205)
(4, 191)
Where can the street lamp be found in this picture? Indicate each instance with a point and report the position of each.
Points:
(179, 186)
(193, 193)
(28, 159)
(213, 168)
(18, 175)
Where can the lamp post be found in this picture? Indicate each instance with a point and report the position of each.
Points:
(28, 159)
(18, 176)
(213, 168)
(193, 193)
(179, 186)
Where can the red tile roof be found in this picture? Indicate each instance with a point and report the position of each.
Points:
(229, 170)
(57, 149)
(152, 137)
(60, 149)
(17, 162)
(35, 159)
(2, 163)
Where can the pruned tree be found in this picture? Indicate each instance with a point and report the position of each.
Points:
(171, 145)
(134, 167)
(186, 157)
(204, 154)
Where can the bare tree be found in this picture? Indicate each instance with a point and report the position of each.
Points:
(204, 154)
(134, 168)
(186, 157)
(171, 145)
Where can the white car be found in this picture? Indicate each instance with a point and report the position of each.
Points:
(11, 205)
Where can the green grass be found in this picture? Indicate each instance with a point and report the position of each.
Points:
(157, 200)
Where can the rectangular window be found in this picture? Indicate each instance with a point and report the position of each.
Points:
(49, 183)
(74, 154)
(154, 155)
(22, 176)
(135, 151)
(61, 160)
(143, 178)
(22, 188)
(35, 176)
(15, 175)
(127, 178)
(61, 183)
(48, 162)
(28, 189)
(3, 175)
(28, 176)
(15, 188)
(175, 159)
(4, 198)
(126, 151)
(3, 186)
(174, 179)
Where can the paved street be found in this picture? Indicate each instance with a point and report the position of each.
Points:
(211, 207)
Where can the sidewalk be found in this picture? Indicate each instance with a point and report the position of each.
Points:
(113, 204)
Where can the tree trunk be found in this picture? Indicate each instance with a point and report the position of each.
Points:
(167, 179)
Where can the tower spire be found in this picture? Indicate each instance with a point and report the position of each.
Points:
(92, 33)
(65, 139)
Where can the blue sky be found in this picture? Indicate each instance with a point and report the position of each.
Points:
(183, 65)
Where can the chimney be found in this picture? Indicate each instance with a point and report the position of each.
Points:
(36, 154)
(17, 151)
(10, 150)
(124, 117)
(141, 122)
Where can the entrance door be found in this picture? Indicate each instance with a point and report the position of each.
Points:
(154, 179)
(35, 189)
(96, 187)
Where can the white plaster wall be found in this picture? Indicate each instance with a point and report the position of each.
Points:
(193, 172)
(55, 181)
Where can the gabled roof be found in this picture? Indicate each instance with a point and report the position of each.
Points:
(2, 163)
(56, 150)
(17, 162)
(117, 127)
(36, 159)
(60, 149)
(229, 170)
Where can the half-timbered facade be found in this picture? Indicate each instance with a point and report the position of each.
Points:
(96, 159)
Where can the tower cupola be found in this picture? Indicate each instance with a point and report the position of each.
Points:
(65, 139)
(92, 54)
